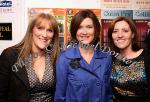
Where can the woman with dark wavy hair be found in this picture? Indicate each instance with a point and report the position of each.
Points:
(131, 78)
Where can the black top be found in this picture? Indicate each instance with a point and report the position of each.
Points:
(14, 82)
(129, 81)
(147, 39)
(41, 91)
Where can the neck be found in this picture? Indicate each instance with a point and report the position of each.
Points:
(87, 54)
(38, 53)
(126, 52)
(86, 51)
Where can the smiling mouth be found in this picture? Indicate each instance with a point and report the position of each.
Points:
(120, 40)
(84, 37)
(43, 40)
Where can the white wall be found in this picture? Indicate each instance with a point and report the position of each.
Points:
(16, 17)
(64, 3)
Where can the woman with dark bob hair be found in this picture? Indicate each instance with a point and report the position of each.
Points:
(82, 72)
(130, 77)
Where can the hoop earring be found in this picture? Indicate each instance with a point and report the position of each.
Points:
(49, 48)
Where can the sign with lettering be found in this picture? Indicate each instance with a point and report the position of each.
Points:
(111, 14)
(5, 3)
(116, 4)
(5, 31)
(141, 14)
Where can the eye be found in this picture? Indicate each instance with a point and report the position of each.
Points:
(40, 27)
(115, 31)
(50, 30)
(90, 26)
(126, 30)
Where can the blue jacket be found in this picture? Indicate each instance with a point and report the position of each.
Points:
(77, 81)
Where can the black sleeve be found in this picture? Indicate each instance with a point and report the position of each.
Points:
(5, 68)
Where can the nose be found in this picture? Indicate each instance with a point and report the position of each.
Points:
(44, 33)
(84, 31)
(120, 34)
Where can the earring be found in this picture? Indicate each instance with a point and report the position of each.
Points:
(49, 48)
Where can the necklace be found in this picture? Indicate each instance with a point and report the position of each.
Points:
(37, 55)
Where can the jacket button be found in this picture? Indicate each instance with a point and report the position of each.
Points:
(98, 83)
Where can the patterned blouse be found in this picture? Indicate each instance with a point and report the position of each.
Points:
(129, 80)
(41, 91)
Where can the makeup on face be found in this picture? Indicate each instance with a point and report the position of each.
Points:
(122, 35)
(42, 35)
(85, 33)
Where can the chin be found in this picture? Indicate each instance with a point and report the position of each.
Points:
(42, 47)
(85, 42)
(121, 47)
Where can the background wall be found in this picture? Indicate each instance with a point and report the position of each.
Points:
(19, 11)
(63, 3)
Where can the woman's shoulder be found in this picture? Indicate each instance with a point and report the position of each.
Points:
(146, 50)
(146, 53)
(64, 56)
(9, 56)
(68, 52)
(102, 53)
(10, 51)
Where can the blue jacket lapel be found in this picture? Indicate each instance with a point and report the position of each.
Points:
(98, 61)
(73, 53)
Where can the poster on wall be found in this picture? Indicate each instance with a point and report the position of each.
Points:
(125, 4)
(141, 18)
(141, 4)
(116, 4)
(70, 12)
(5, 31)
(6, 6)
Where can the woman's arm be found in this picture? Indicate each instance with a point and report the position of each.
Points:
(4, 76)
(107, 86)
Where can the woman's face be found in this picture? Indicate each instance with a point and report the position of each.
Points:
(85, 33)
(122, 35)
(42, 35)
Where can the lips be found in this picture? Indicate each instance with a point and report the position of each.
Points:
(120, 41)
(84, 37)
(43, 40)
